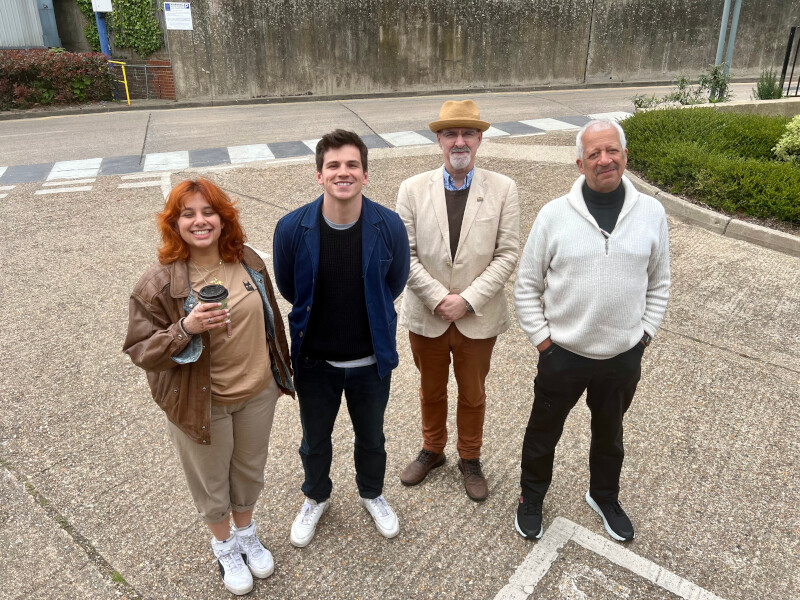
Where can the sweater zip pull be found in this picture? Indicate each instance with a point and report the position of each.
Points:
(606, 235)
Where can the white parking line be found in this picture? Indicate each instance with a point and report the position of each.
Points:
(615, 116)
(406, 138)
(249, 153)
(86, 188)
(550, 124)
(166, 161)
(3, 196)
(6, 187)
(75, 169)
(535, 566)
(72, 182)
(141, 175)
(2, 170)
(140, 184)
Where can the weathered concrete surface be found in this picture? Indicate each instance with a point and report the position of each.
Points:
(711, 472)
(244, 49)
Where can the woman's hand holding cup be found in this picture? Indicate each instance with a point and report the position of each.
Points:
(205, 317)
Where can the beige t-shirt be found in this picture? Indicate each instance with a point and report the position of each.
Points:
(240, 364)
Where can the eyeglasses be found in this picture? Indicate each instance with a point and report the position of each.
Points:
(467, 136)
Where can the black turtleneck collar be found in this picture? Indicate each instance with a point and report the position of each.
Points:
(604, 207)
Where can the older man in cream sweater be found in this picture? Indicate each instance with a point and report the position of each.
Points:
(590, 294)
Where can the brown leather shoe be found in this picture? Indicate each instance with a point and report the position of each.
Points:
(474, 481)
(419, 468)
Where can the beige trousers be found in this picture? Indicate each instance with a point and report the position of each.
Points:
(228, 473)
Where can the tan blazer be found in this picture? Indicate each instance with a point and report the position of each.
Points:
(485, 258)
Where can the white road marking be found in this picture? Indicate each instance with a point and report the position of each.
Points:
(2, 170)
(140, 184)
(141, 176)
(494, 132)
(312, 144)
(6, 187)
(615, 116)
(249, 153)
(550, 124)
(3, 196)
(73, 182)
(406, 138)
(75, 169)
(166, 161)
(523, 582)
(85, 188)
(163, 181)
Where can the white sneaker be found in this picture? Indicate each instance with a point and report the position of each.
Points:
(305, 524)
(257, 558)
(235, 574)
(383, 515)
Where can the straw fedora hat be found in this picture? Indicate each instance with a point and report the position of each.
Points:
(459, 114)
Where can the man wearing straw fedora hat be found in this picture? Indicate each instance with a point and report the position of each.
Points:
(463, 229)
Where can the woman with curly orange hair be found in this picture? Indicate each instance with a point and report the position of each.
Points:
(216, 368)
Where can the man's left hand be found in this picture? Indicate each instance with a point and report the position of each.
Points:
(452, 308)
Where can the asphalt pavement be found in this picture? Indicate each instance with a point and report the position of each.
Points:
(93, 502)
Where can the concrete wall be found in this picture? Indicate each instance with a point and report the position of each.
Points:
(258, 48)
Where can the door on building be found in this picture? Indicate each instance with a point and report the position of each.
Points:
(48, 18)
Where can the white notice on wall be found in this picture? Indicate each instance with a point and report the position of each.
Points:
(178, 15)
(102, 6)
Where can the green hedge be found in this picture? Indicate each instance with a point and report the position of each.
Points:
(41, 77)
(724, 160)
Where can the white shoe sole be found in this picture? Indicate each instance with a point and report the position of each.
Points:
(299, 542)
(238, 591)
(387, 533)
(610, 531)
(261, 574)
(527, 537)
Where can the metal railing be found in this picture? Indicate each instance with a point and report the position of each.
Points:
(787, 91)
(146, 82)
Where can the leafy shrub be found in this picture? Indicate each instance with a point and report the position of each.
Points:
(788, 147)
(724, 160)
(713, 86)
(42, 77)
(768, 87)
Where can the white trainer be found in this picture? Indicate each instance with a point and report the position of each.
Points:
(383, 515)
(257, 558)
(235, 574)
(305, 524)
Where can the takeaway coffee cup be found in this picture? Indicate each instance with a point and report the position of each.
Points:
(216, 293)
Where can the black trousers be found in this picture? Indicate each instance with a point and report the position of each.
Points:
(561, 379)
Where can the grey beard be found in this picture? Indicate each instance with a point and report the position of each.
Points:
(460, 160)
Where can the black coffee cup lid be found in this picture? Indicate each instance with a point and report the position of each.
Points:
(213, 293)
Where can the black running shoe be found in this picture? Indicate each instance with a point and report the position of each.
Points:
(617, 523)
(529, 518)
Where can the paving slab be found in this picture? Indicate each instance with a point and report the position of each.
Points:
(711, 472)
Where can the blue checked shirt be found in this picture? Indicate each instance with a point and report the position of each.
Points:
(449, 184)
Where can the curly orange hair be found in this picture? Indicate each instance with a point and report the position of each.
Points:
(231, 239)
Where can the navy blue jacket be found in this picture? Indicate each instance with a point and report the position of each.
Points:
(385, 262)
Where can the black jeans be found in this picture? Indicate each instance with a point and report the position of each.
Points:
(319, 390)
(561, 379)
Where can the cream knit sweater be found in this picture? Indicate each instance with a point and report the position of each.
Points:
(594, 296)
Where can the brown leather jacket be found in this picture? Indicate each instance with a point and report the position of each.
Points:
(179, 366)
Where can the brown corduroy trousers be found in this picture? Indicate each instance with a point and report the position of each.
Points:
(471, 361)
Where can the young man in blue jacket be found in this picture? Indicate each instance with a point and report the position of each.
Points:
(341, 261)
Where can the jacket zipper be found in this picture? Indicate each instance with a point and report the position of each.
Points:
(606, 235)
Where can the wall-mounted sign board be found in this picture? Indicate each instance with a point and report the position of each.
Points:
(178, 15)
